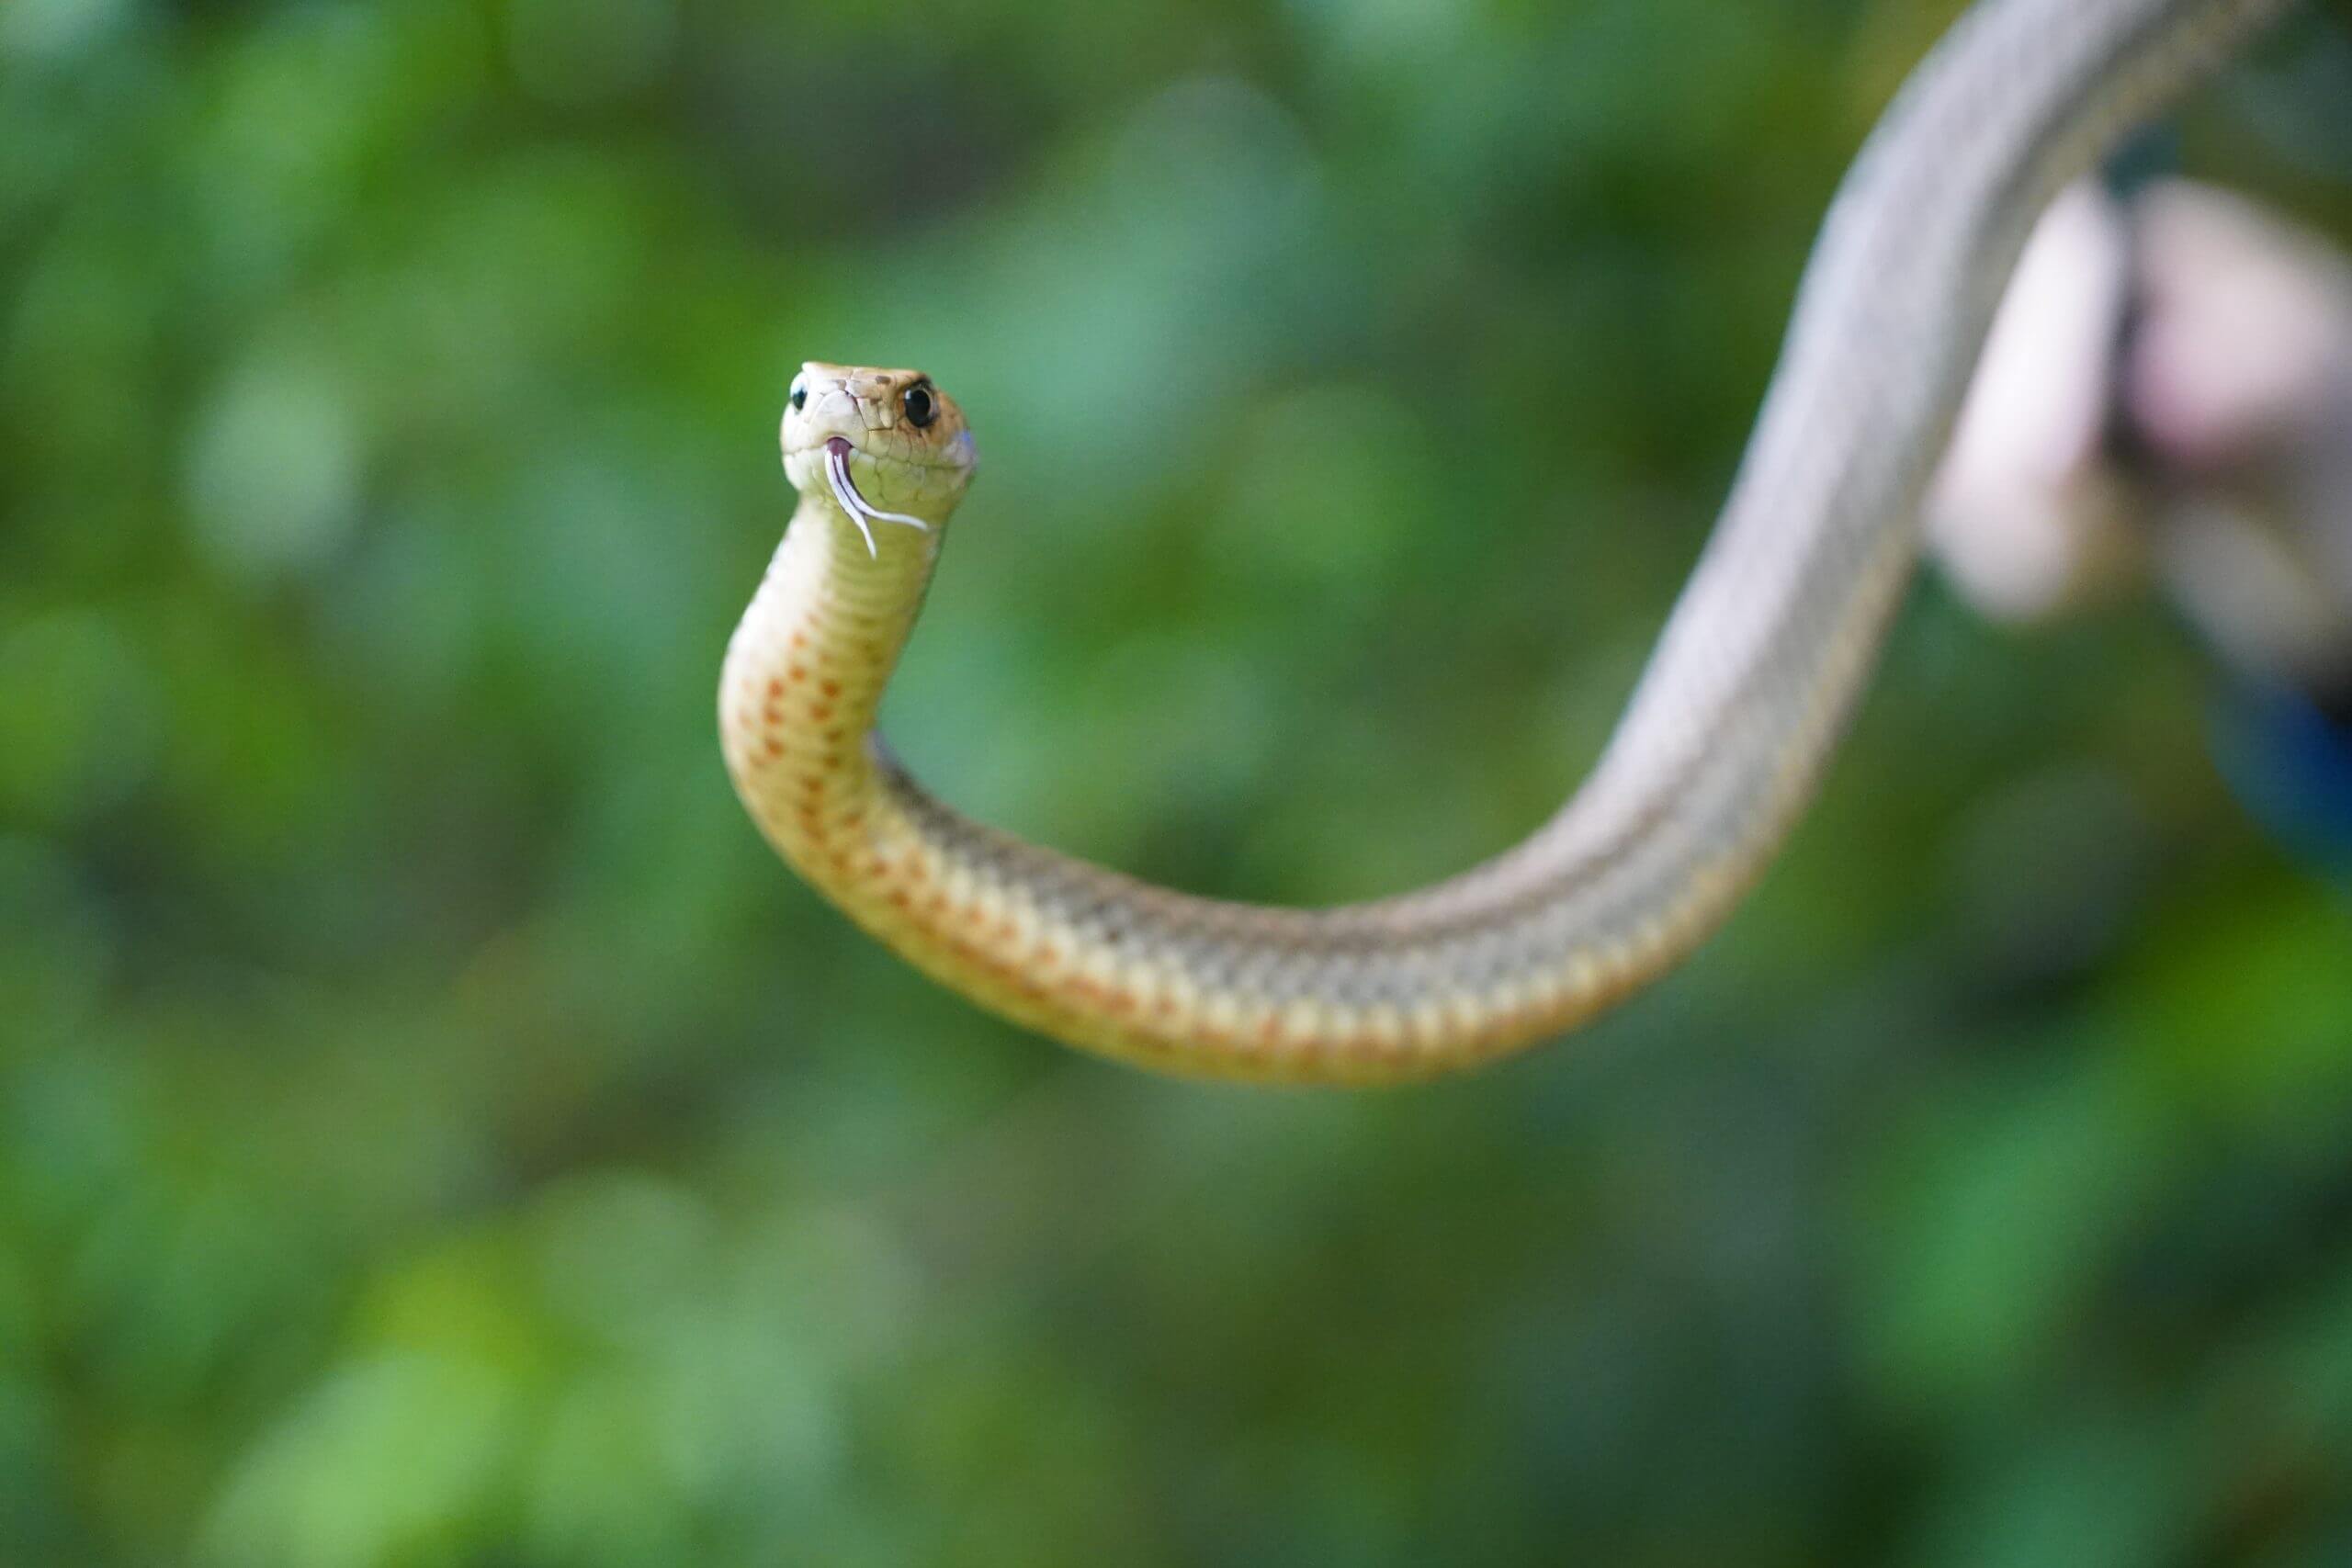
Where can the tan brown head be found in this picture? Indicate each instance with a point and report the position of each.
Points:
(886, 445)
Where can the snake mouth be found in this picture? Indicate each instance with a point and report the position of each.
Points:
(854, 503)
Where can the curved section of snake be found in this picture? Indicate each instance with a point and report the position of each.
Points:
(1716, 754)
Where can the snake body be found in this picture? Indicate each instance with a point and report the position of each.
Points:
(1716, 756)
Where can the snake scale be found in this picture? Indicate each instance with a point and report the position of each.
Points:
(1716, 754)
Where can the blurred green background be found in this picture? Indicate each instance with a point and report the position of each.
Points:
(435, 1131)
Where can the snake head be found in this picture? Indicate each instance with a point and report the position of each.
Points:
(886, 445)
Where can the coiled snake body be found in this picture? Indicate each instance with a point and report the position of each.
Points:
(1716, 756)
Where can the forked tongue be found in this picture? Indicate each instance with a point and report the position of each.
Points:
(859, 510)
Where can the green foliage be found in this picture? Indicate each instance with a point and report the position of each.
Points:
(433, 1130)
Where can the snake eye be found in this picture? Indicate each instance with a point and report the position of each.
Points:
(920, 407)
(800, 395)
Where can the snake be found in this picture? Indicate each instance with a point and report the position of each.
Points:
(1717, 753)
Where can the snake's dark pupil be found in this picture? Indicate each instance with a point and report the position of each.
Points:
(799, 397)
(919, 407)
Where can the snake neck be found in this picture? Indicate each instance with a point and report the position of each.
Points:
(803, 681)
